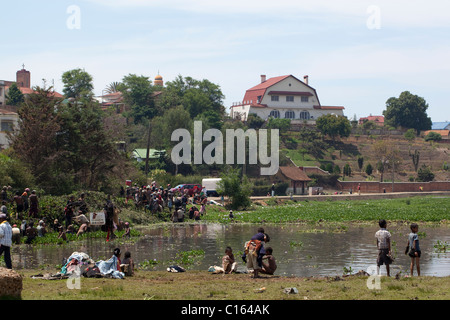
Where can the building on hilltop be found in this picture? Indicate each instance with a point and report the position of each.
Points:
(283, 97)
(378, 120)
(115, 99)
(23, 82)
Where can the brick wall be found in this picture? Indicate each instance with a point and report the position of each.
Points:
(377, 187)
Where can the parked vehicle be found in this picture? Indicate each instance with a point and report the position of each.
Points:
(210, 185)
(191, 188)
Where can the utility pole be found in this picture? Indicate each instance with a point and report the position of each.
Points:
(148, 150)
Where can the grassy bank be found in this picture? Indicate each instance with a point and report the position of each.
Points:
(201, 285)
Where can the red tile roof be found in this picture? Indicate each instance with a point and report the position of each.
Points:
(294, 173)
(260, 89)
(26, 90)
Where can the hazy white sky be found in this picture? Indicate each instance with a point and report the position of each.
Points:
(357, 53)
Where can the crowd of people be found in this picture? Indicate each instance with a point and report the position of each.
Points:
(158, 199)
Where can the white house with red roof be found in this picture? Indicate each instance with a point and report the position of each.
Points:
(282, 97)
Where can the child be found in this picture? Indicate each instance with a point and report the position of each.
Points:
(127, 233)
(127, 265)
(271, 265)
(384, 246)
(414, 248)
(228, 261)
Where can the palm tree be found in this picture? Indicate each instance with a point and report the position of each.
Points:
(113, 87)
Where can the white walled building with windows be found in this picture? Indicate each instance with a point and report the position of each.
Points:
(282, 97)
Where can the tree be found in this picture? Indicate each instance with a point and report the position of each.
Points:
(347, 170)
(113, 87)
(137, 93)
(35, 141)
(14, 97)
(236, 188)
(254, 121)
(276, 123)
(433, 136)
(65, 144)
(78, 84)
(415, 158)
(425, 174)
(369, 169)
(408, 111)
(410, 135)
(196, 96)
(360, 163)
(334, 126)
(387, 154)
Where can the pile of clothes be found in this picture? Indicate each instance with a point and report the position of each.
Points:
(82, 263)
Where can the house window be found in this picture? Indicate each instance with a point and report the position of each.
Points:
(274, 98)
(289, 115)
(305, 99)
(289, 98)
(7, 126)
(304, 115)
(259, 99)
(274, 114)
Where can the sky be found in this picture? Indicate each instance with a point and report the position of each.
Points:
(357, 53)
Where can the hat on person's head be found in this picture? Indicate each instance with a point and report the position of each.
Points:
(2, 216)
(14, 225)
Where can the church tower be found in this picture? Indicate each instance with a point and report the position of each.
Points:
(23, 78)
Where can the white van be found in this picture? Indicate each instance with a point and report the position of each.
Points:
(210, 185)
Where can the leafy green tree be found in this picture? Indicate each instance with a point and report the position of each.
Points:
(78, 84)
(196, 96)
(347, 170)
(35, 141)
(425, 174)
(433, 136)
(14, 97)
(138, 93)
(410, 135)
(334, 126)
(277, 123)
(408, 111)
(254, 121)
(236, 188)
(369, 169)
(360, 163)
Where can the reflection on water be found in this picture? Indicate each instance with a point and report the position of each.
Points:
(300, 250)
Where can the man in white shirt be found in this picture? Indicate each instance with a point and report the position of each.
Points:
(5, 240)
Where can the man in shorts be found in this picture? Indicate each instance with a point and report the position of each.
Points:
(384, 246)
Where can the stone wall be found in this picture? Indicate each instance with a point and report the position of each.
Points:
(10, 283)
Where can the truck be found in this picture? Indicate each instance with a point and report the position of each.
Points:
(210, 185)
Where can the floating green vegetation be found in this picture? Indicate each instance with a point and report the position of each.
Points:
(148, 264)
(441, 247)
(188, 258)
(431, 209)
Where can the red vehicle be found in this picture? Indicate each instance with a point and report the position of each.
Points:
(191, 188)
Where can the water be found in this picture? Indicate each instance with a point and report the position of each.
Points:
(300, 250)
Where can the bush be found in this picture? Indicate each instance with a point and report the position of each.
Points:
(424, 174)
(433, 136)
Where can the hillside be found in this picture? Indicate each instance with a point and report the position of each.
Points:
(347, 150)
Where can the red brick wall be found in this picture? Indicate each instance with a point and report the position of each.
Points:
(377, 187)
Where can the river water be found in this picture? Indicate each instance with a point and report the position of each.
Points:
(300, 250)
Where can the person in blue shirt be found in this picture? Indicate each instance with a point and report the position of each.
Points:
(414, 248)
